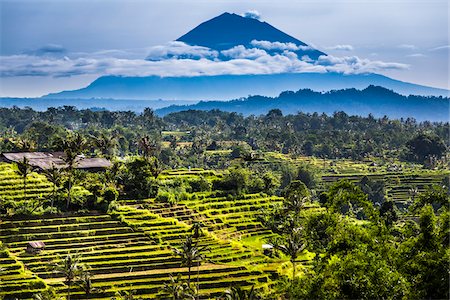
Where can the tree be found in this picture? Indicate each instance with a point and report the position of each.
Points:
(106, 143)
(55, 176)
(291, 245)
(147, 146)
(296, 195)
(190, 255)
(346, 198)
(176, 289)
(237, 293)
(70, 268)
(425, 145)
(73, 147)
(85, 282)
(24, 169)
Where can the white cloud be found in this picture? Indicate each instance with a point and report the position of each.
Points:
(279, 46)
(252, 14)
(341, 47)
(241, 61)
(416, 55)
(242, 52)
(356, 65)
(180, 50)
(445, 47)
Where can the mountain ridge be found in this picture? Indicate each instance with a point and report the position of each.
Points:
(374, 100)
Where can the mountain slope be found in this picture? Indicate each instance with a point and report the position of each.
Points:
(229, 30)
(374, 100)
(226, 87)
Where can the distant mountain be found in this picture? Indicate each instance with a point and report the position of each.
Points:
(226, 87)
(374, 100)
(229, 30)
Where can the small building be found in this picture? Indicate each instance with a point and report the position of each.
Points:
(48, 160)
(267, 250)
(35, 247)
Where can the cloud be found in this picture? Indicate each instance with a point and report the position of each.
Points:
(445, 47)
(341, 48)
(278, 46)
(177, 50)
(241, 60)
(416, 55)
(242, 52)
(407, 47)
(252, 14)
(356, 65)
(47, 50)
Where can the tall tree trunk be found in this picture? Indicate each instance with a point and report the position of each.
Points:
(293, 269)
(68, 290)
(69, 189)
(53, 196)
(189, 275)
(24, 187)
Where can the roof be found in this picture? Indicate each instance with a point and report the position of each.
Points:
(36, 244)
(48, 160)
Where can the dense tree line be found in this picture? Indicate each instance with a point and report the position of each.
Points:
(119, 133)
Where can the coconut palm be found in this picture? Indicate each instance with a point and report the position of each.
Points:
(24, 169)
(176, 289)
(70, 268)
(54, 175)
(147, 146)
(105, 143)
(237, 293)
(85, 282)
(190, 255)
(73, 147)
(291, 245)
(196, 230)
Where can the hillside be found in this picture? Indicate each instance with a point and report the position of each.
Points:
(373, 100)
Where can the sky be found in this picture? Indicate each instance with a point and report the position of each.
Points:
(53, 45)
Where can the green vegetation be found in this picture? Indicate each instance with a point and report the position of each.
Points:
(203, 205)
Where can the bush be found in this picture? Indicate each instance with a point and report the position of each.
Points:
(110, 194)
(166, 197)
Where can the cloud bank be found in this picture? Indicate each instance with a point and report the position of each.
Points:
(179, 59)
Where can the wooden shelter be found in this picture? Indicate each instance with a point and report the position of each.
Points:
(35, 247)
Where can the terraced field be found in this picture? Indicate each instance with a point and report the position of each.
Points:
(133, 254)
(399, 186)
(11, 185)
(15, 282)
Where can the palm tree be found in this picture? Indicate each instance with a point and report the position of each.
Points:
(190, 255)
(291, 245)
(85, 282)
(176, 289)
(70, 268)
(24, 169)
(73, 146)
(237, 293)
(196, 229)
(54, 175)
(105, 143)
(147, 147)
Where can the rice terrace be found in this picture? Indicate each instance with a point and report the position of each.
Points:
(233, 162)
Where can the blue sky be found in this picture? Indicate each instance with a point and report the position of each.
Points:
(49, 46)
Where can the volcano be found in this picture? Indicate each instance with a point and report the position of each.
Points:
(230, 30)
(226, 33)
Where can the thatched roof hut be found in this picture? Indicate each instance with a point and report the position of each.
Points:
(35, 247)
(48, 160)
